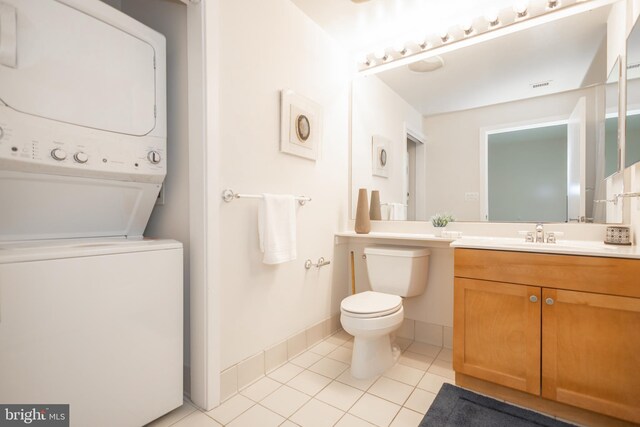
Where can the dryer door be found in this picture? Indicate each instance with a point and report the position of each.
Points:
(60, 63)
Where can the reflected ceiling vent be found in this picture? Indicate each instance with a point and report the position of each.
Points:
(633, 66)
(538, 85)
(427, 65)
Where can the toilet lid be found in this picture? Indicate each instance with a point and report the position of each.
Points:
(371, 304)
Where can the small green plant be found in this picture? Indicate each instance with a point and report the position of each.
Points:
(441, 220)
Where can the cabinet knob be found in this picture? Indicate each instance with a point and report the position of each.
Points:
(549, 301)
(533, 298)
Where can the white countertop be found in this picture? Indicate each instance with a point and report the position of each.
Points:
(564, 247)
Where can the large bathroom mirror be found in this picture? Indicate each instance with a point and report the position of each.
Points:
(505, 130)
(632, 137)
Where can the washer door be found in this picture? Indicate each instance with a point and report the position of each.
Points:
(74, 68)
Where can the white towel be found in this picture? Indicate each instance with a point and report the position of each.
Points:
(397, 212)
(277, 228)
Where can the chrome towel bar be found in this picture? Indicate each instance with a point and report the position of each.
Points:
(228, 195)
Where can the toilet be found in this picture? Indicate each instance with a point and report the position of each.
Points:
(395, 272)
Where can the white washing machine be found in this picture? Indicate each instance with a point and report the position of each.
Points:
(93, 323)
(90, 312)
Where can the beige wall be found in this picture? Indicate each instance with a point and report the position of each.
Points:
(266, 46)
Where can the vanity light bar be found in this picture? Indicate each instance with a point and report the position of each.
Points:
(493, 24)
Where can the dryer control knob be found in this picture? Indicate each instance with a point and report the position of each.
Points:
(154, 157)
(58, 154)
(81, 157)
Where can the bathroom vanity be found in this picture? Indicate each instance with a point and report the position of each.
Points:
(550, 331)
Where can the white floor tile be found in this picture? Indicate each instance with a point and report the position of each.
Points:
(257, 416)
(285, 372)
(405, 374)
(285, 401)
(392, 390)
(289, 424)
(407, 418)
(341, 354)
(442, 368)
(306, 359)
(260, 389)
(420, 400)
(196, 419)
(416, 360)
(230, 409)
(339, 395)
(173, 416)
(350, 421)
(446, 354)
(317, 414)
(426, 349)
(375, 410)
(323, 348)
(433, 383)
(329, 367)
(309, 382)
(347, 379)
(348, 344)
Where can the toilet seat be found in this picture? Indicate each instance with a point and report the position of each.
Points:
(370, 304)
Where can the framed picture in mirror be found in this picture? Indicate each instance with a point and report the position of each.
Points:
(300, 125)
(380, 156)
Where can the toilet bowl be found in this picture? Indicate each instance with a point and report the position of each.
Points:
(372, 316)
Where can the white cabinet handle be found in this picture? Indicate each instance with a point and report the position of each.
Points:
(549, 301)
(8, 36)
(533, 298)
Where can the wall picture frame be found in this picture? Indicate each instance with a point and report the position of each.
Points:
(380, 156)
(300, 125)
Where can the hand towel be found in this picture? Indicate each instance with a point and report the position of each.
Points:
(277, 228)
(397, 212)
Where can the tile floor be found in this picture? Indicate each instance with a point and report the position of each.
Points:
(315, 389)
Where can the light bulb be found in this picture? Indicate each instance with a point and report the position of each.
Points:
(400, 48)
(492, 17)
(466, 27)
(422, 43)
(552, 4)
(363, 59)
(520, 8)
(381, 55)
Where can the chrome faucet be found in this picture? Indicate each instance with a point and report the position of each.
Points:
(539, 233)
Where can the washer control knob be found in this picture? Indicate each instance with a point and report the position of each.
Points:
(80, 157)
(154, 157)
(58, 154)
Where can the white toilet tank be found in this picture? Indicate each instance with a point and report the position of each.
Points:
(398, 270)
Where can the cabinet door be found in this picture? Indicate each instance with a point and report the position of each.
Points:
(497, 333)
(591, 352)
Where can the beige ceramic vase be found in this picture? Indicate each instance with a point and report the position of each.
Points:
(374, 210)
(363, 223)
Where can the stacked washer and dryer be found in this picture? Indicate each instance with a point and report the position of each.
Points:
(90, 311)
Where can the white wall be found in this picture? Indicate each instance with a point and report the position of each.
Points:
(453, 146)
(378, 110)
(266, 46)
(171, 220)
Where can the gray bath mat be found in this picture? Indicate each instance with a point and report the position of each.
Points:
(454, 407)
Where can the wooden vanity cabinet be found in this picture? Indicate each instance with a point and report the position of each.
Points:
(562, 327)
